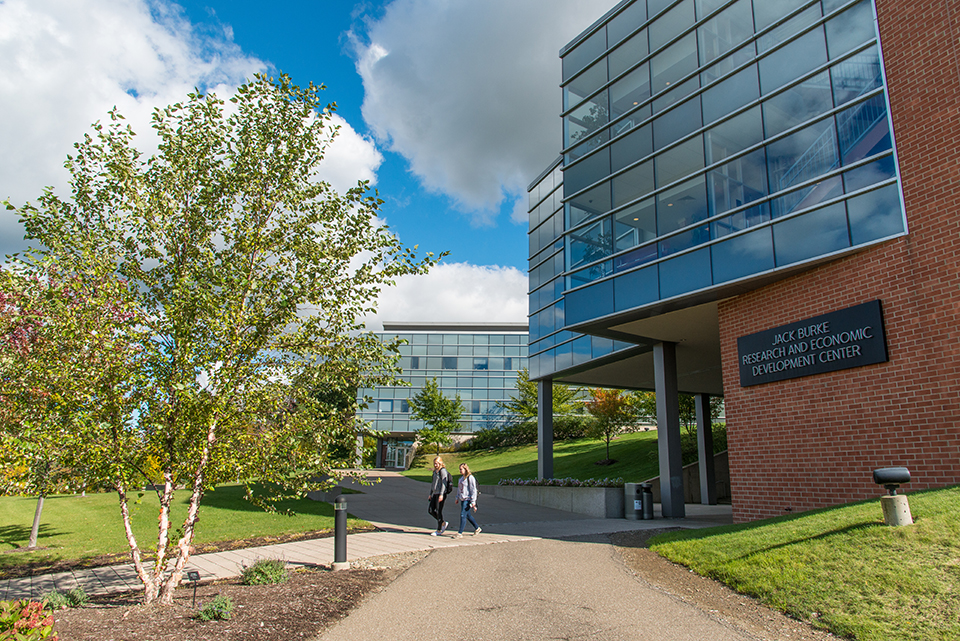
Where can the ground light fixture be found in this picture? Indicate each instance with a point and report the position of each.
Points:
(896, 509)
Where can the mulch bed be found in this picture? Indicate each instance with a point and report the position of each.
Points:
(309, 602)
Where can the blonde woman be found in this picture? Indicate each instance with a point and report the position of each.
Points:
(467, 493)
(440, 486)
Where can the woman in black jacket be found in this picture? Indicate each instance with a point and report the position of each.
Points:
(438, 491)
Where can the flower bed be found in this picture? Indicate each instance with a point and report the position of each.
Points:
(567, 482)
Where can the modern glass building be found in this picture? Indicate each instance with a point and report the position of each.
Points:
(711, 149)
(478, 361)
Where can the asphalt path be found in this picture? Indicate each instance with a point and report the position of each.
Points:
(541, 589)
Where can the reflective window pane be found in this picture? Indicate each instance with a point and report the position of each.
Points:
(671, 24)
(806, 197)
(784, 65)
(631, 148)
(585, 84)
(863, 130)
(682, 205)
(587, 145)
(856, 76)
(584, 173)
(684, 240)
(685, 273)
(635, 225)
(633, 184)
(635, 258)
(869, 174)
(798, 104)
(813, 234)
(676, 123)
(741, 56)
(680, 161)
(730, 94)
(636, 288)
(766, 12)
(586, 119)
(591, 203)
(875, 214)
(584, 53)
(673, 63)
(742, 255)
(628, 54)
(851, 28)
(743, 219)
(738, 182)
(803, 155)
(787, 29)
(724, 32)
(629, 92)
(734, 135)
(624, 23)
(590, 243)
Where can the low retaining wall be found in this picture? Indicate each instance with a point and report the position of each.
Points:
(691, 480)
(598, 502)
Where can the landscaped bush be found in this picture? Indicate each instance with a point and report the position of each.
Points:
(25, 621)
(525, 432)
(265, 572)
(567, 482)
(219, 609)
(57, 600)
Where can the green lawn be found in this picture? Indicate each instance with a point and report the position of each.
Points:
(842, 568)
(636, 456)
(80, 527)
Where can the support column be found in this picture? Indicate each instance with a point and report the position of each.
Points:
(668, 430)
(708, 478)
(545, 429)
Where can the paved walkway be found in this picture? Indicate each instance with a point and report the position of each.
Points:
(397, 506)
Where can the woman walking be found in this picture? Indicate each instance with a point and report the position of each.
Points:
(439, 488)
(467, 498)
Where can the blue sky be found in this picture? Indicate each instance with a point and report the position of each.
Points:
(450, 108)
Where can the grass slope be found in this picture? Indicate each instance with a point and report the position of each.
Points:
(842, 568)
(77, 527)
(636, 456)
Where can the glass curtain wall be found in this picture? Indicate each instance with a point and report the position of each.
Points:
(707, 141)
(481, 367)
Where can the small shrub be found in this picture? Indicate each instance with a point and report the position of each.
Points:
(219, 609)
(75, 598)
(25, 621)
(265, 572)
(55, 600)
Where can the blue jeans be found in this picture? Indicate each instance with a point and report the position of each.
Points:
(466, 514)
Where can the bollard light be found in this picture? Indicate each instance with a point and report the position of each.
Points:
(896, 508)
(340, 534)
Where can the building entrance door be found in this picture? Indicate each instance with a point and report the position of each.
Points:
(397, 455)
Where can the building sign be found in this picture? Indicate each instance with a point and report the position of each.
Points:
(839, 340)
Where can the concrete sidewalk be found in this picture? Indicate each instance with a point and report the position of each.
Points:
(398, 507)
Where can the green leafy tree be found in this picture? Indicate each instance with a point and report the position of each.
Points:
(613, 410)
(440, 415)
(524, 403)
(240, 280)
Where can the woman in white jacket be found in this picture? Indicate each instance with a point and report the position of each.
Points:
(467, 498)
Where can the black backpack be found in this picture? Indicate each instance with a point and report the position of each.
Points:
(447, 484)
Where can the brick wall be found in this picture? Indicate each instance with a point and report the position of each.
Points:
(812, 442)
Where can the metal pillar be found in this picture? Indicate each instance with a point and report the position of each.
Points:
(708, 478)
(545, 429)
(668, 430)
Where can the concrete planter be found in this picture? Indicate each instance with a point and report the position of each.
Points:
(598, 502)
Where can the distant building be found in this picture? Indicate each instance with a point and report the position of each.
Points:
(760, 199)
(478, 361)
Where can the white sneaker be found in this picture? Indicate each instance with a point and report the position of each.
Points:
(443, 529)
(477, 531)
(458, 536)
(437, 533)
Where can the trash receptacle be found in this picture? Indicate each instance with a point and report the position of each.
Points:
(632, 502)
(646, 501)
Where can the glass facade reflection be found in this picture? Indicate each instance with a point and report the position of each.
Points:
(477, 362)
(707, 142)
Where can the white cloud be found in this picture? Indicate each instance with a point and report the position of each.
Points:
(65, 63)
(468, 91)
(455, 293)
